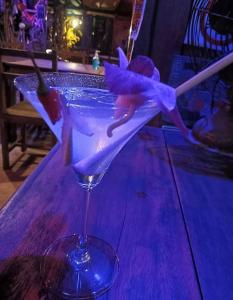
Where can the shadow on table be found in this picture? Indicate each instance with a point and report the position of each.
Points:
(201, 161)
(21, 278)
(20, 275)
(190, 157)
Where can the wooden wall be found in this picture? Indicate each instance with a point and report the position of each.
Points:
(163, 32)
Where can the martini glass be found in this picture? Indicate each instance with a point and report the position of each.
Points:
(83, 266)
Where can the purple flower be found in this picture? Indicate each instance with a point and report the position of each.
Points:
(135, 83)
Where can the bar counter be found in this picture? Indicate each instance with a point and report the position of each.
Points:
(43, 64)
(165, 205)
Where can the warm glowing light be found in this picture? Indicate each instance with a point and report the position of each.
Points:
(75, 23)
(72, 30)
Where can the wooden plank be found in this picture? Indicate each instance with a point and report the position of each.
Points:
(24, 109)
(170, 27)
(205, 186)
(162, 32)
(135, 208)
(153, 246)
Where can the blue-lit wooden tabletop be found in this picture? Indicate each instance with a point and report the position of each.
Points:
(165, 205)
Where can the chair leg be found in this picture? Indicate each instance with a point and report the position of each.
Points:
(54, 139)
(23, 138)
(5, 149)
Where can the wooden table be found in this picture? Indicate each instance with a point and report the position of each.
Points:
(46, 64)
(165, 206)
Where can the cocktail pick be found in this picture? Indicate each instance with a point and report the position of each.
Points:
(49, 97)
(67, 139)
(137, 88)
(52, 103)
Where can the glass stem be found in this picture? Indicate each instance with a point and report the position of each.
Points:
(79, 256)
(83, 237)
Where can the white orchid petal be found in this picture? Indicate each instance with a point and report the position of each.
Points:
(156, 75)
(123, 60)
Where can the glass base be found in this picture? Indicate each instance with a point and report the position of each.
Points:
(71, 271)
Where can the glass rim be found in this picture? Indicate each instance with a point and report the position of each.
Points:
(48, 74)
(23, 79)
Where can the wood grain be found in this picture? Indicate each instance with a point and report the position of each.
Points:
(23, 108)
(205, 186)
(169, 31)
(135, 208)
(162, 32)
(154, 255)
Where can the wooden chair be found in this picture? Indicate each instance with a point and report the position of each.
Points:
(13, 108)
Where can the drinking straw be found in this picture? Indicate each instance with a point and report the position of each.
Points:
(203, 75)
(136, 22)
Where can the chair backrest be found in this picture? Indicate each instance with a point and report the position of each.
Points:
(79, 55)
(14, 62)
(15, 56)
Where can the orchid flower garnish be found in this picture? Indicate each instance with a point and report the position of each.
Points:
(135, 83)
